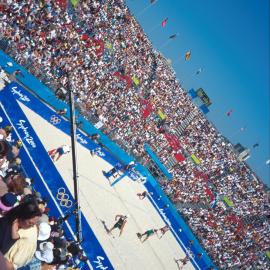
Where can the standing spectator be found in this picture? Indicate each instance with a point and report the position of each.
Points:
(18, 238)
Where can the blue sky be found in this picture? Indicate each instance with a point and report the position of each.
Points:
(230, 41)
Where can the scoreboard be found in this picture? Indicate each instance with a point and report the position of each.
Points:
(203, 97)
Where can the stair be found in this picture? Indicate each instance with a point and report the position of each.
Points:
(185, 123)
(170, 163)
(252, 219)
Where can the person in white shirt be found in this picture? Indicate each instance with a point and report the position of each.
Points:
(55, 154)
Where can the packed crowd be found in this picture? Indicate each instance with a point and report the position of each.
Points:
(30, 237)
(100, 51)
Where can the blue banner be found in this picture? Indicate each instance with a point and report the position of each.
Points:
(157, 161)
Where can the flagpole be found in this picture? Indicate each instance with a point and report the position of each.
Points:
(74, 163)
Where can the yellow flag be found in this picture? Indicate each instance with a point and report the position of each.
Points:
(187, 55)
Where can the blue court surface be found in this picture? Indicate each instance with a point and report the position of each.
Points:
(40, 129)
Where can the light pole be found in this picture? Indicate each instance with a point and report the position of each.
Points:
(74, 163)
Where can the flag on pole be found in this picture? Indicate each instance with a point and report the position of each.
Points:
(164, 22)
(198, 71)
(187, 55)
(229, 113)
(172, 36)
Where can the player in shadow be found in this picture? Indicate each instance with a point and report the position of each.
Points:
(121, 221)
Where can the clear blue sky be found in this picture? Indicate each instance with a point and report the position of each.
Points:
(230, 40)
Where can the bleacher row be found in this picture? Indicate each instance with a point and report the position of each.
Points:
(101, 52)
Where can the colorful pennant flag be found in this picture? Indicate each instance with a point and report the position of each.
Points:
(164, 22)
(187, 55)
(229, 113)
(255, 145)
(198, 71)
(172, 36)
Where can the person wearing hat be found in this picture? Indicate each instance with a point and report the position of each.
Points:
(45, 252)
(44, 231)
(7, 202)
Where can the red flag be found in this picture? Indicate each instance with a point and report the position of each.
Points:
(179, 157)
(125, 78)
(209, 193)
(229, 113)
(164, 22)
(147, 108)
(173, 141)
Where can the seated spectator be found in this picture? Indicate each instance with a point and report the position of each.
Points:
(45, 252)
(7, 202)
(16, 223)
(5, 132)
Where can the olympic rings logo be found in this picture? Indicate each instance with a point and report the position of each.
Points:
(63, 198)
(55, 120)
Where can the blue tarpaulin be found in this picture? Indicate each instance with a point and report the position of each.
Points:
(157, 161)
